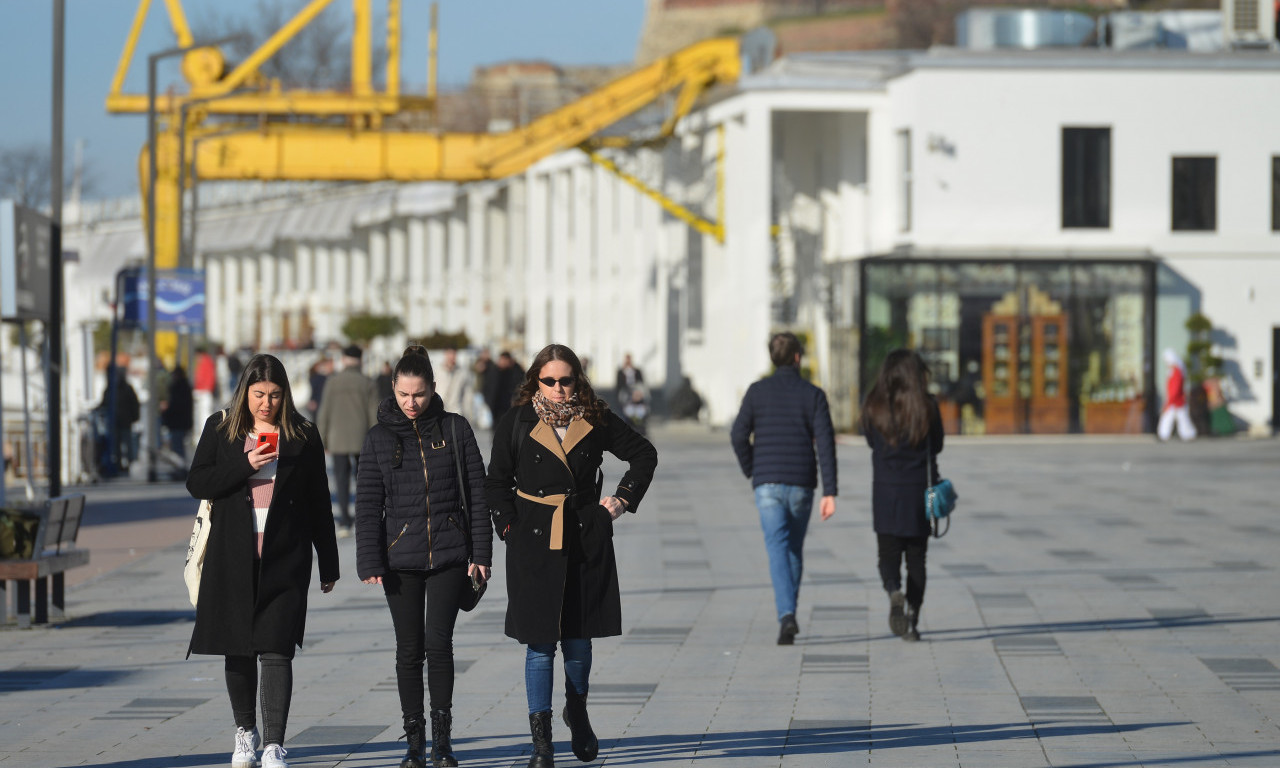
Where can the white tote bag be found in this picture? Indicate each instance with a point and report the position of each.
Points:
(199, 542)
(196, 549)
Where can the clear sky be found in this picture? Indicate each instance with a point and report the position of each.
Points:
(472, 32)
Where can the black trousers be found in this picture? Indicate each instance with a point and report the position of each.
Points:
(424, 609)
(892, 549)
(344, 468)
(277, 692)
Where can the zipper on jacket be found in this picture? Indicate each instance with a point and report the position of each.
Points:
(402, 530)
(426, 487)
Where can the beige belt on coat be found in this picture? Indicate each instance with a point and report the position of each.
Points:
(557, 518)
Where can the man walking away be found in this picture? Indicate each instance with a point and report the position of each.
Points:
(348, 410)
(782, 420)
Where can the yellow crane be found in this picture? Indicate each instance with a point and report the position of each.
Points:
(268, 132)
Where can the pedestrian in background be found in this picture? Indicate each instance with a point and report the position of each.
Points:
(347, 412)
(317, 375)
(177, 412)
(234, 367)
(418, 537)
(562, 577)
(204, 383)
(453, 384)
(629, 377)
(383, 382)
(903, 427)
(128, 410)
(783, 419)
(270, 509)
(1175, 401)
(501, 382)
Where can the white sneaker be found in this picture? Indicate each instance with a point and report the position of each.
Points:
(273, 757)
(246, 753)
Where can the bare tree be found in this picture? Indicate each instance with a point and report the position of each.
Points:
(24, 175)
(319, 56)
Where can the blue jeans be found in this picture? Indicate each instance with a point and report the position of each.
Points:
(784, 516)
(538, 676)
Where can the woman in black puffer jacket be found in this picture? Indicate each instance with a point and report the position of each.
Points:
(413, 515)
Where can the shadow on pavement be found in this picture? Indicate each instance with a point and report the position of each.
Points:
(1100, 625)
(1190, 760)
(132, 618)
(740, 744)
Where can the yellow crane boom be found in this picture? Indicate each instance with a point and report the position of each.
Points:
(288, 147)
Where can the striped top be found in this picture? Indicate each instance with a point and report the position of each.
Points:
(262, 484)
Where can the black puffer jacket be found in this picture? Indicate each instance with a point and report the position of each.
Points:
(411, 519)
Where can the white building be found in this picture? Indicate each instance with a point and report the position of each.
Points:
(1039, 223)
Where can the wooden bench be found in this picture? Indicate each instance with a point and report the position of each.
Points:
(55, 553)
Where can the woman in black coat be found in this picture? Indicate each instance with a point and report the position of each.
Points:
(544, 490)
(901, 422)
(262, 466)
(423, 533)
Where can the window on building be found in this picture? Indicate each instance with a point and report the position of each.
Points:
(1086, 177)
(1195, 194)
(904, 180)
(1275, 192)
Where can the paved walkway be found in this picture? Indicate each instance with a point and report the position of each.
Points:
(1098, 603)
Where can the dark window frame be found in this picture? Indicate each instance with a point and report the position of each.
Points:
(1193, 184)
(1086, 177)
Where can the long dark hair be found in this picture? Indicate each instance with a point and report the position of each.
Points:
(415, 362)
(898, 405)
(239, 420)
(594, 408)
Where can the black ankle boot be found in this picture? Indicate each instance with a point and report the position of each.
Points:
(441, 749)
(415, 732)
(913, 619)
(585, 744)
(543, 751)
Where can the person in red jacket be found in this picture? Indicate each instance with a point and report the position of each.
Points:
(1175, 401)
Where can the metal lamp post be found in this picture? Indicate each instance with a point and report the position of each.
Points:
(153, 409)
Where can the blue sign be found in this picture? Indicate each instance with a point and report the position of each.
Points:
(179, 298)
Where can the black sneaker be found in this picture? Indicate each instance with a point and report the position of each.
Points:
(787, 630)
(897, 614)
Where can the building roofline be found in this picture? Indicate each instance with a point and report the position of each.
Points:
(872, 70)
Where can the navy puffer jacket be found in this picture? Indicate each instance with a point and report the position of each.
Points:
(409, 512)
(782, 421)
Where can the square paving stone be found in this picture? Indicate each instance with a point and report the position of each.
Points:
(335, 736)
(1245, 674)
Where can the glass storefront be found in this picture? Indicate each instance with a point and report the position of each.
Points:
(1019, 346)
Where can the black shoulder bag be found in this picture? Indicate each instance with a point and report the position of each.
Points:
(475, 588)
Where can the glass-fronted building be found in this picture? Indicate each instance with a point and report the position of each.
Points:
(1017, 345)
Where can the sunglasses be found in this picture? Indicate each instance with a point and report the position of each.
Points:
(563, 381)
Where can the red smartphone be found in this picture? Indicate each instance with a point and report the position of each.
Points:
(272, 439)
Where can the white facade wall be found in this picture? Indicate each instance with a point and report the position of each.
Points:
(567, 252)
(987, 146)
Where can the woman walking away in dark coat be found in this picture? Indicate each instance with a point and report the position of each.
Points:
(423, 533)
(904, 429)
(270, 508)
(544, 490)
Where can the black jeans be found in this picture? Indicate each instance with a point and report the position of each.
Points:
(345, 466)
(277, 692)
(892, 548)
(424, 608)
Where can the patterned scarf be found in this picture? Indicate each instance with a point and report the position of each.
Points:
(557, 414)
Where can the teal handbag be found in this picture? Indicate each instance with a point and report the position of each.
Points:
(939, 499)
